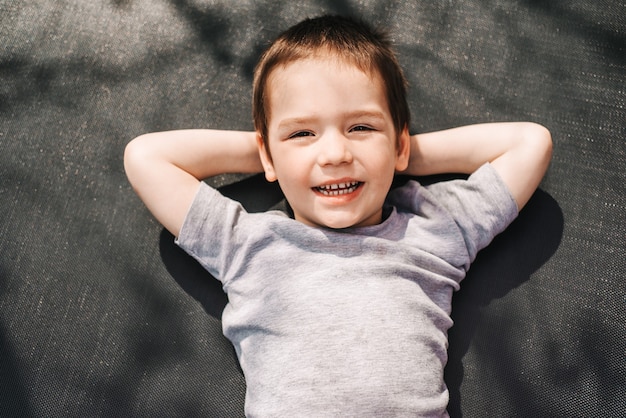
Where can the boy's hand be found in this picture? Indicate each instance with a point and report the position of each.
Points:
(165, 168)
(519, 151)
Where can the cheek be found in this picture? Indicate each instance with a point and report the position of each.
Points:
(383, 161)
(291, 162)
(289, 174)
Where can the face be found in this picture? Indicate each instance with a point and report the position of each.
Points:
(333, 145)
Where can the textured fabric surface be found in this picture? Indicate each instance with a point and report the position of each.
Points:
(100, 313)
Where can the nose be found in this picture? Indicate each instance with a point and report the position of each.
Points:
(334, 149)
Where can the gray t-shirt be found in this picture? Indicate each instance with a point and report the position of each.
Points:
(347, 322)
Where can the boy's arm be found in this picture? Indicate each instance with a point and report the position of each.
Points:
(519, 151)
(165, 168)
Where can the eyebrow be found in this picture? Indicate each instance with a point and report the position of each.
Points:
(296, 121)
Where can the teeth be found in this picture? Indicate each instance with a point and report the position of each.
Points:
(338, 189)
(339, 186)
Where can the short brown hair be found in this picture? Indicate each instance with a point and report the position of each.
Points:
(354, 41)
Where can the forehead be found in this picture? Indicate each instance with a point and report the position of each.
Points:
(317, 74)
(326, 58)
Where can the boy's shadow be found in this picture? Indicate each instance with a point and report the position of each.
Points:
(508, 262)
(505, 264)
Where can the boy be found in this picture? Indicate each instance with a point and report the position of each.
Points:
(343, 310)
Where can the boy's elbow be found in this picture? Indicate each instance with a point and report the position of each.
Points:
(130, 156)
(135, 145)
(134, 157)
(541, 139)
(546, 141)
(544, 136)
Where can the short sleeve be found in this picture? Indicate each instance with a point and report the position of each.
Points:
(482, 206)
(210, 229)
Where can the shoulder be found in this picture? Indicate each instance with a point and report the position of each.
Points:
(484, 186)
(220, 233)
(217, 217)
(484, 189)
(206, 205)
(479, 207)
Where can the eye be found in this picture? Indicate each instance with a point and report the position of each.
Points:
(361, 128)
(300, 134)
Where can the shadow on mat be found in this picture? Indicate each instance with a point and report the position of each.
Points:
(213, 24)
(507, 263)
(12, 385)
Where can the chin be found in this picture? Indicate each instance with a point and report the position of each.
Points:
(329, 223)
(337, 221)
(343, 223)
(340, 225)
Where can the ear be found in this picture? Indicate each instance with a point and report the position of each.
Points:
(403, 150)
(266, 159)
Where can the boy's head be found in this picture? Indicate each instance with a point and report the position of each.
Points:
(332, 121)
(351, 41)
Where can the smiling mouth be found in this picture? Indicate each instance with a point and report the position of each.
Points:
(339, 188)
